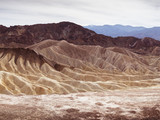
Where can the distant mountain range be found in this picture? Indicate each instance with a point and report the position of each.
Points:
(120, 30)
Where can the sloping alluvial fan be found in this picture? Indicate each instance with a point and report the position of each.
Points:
(67, 58)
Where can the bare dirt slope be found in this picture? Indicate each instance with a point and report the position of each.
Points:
(60, 67)
(72, 73)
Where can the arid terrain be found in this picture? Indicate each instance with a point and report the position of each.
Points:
(141, 104)
(66, 72)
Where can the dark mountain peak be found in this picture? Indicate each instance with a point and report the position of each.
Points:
(2, 28)
(71, 32)
(30, 34)
(150, 42)
(66, 23)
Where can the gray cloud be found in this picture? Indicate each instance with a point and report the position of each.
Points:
(136, 12)
(154, 3)
(53, 3)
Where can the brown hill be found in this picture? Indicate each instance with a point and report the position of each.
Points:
(86, 61)
(60, 67)
(72, 33)
(36, 33)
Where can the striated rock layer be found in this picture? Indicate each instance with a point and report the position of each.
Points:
(60, 67)
(103, 78)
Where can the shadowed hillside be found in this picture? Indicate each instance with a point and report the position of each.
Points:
(72, 33)
(60, 67)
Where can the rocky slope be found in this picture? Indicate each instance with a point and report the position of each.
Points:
(60, 67)
(72, 33)
(121, 74)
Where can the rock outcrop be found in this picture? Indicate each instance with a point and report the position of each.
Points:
(73, 33)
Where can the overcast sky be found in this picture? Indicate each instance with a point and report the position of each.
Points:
(84, 12)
